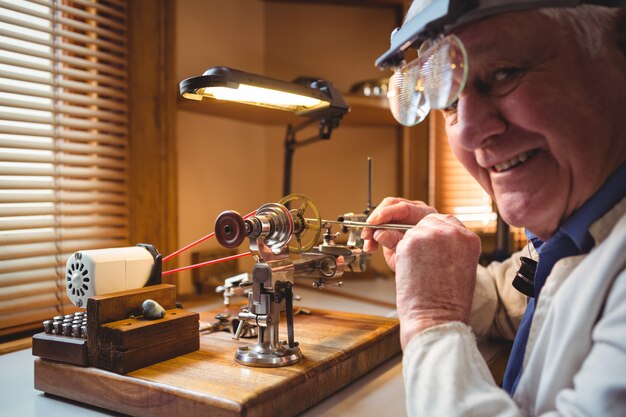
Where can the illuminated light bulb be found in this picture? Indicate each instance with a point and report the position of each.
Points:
(262, 96)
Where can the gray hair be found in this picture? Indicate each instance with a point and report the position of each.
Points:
(591, 26)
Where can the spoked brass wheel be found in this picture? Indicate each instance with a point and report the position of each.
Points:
(307, 222)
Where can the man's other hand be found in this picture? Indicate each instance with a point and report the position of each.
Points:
(435, 264)
(392, 210)
(435, 274)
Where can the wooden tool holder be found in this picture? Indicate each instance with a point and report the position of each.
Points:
(60, 348)
(119, 339)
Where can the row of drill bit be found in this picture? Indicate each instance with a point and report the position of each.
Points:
(73, 325)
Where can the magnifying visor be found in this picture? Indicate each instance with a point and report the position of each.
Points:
(433, 80)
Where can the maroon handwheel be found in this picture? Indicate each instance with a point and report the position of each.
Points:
(230, 229)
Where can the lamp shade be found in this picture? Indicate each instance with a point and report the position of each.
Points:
(315, 98)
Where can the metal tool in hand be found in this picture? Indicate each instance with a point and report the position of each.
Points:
(384, 226)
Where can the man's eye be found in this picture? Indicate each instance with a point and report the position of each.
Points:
(506, 80)
(449, 113)
(504, 73)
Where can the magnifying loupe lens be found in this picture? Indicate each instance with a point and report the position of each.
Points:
(407, 101)
(444, 71)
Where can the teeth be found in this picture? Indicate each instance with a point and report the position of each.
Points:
(513, 161)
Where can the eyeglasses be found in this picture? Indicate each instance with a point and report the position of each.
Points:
(433, 80)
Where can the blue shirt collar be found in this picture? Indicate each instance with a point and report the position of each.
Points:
(576, 227)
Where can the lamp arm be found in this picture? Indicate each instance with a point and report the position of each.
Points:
(326, 127)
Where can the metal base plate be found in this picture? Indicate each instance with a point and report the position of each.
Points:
(282, 356)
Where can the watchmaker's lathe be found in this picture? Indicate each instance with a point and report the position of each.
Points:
(284, 245)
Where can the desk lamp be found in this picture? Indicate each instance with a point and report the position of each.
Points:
(318, 100)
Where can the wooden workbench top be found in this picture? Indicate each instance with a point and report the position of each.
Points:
(337, 349)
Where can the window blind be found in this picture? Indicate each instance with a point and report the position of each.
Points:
(453, 190)
(63, 147)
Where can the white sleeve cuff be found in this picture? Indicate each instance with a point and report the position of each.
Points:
(445, 375)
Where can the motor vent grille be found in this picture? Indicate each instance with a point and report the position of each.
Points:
(78, 279)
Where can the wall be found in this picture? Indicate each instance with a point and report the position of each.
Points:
(229, 164)
(337, 43)
(219, 32)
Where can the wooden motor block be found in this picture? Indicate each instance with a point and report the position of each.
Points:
(121, 344)
(103, 309)
(130, 344)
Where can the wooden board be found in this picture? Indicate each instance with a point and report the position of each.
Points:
(337, 349)
(133, 343)
(116, 306)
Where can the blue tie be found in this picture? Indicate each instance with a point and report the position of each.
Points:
(557, 247)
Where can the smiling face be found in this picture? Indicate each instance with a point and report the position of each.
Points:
(539, 124)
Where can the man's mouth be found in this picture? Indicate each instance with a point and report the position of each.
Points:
(515, 161)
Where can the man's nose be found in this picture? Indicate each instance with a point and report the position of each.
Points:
(478, 119)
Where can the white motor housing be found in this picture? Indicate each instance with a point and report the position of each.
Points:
(102, 271)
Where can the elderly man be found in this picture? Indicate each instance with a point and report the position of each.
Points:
(534, 101)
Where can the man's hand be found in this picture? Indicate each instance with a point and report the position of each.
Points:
(435, 264)
(392, 210)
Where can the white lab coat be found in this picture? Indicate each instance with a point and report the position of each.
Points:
(575, 362)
